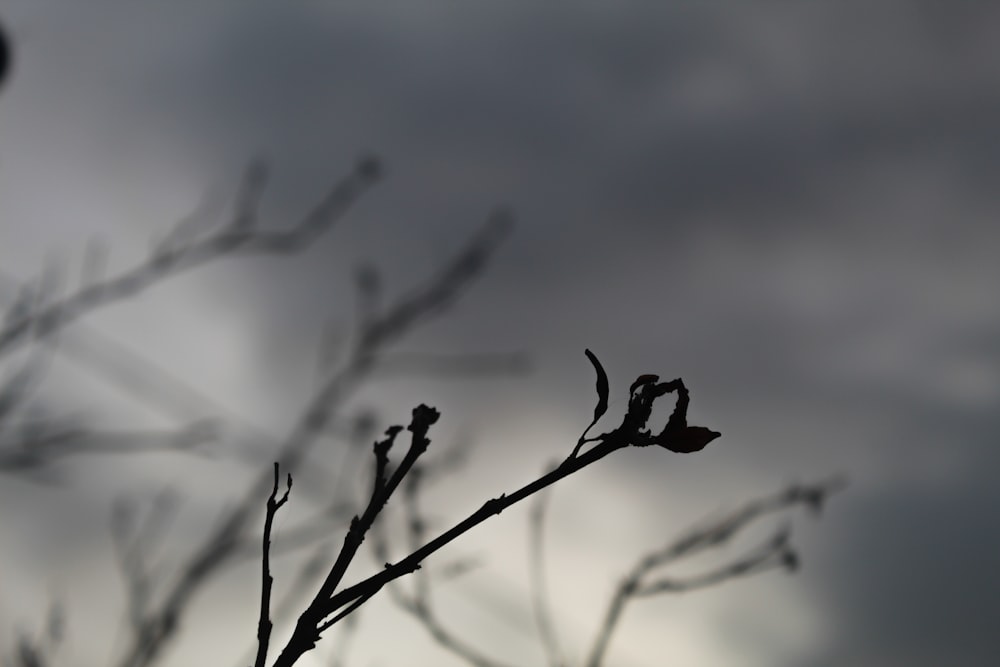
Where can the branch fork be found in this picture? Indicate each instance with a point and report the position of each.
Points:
(331, 605)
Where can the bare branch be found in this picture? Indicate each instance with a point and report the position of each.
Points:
(131, 541)
(135, 374)
(304, 580)
(38, 651)
(264, 623)
(443, 289)
(219, 547)
(41, 446)
(130, 562)
(327, 604)
(309, 626)
(171, 258)
(17, 390)
(775, 554)
(308, 533)
(419, 603)
(28, 653)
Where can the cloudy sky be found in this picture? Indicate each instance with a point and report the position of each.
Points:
(793, 206)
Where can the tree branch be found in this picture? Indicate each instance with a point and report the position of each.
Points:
(39, 448)
(777, 553)
(632, 431)
(419, 604)
(175, 255)
(264, 623)
(219, 547)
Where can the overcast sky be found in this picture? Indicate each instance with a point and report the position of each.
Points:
(793, 206)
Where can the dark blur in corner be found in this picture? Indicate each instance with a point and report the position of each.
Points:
(4, 55)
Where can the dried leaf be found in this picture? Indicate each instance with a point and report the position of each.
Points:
(602, 386)
(642, 381)
(691, 439)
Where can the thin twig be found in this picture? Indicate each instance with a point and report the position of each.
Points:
(130, 563)
(42, 449)
(419, 604)
(632, 431)
(312, 567)
(774, 554)
(219, 547)
(133, 373)
(170, 258)
(306, 631)
(264, 623)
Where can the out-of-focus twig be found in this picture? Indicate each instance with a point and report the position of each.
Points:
(17, 389)
(39, 650)
(348, 632)
(131, 565)
(384, 329)
(41, 446)
(418, 603)
(776, 553)
(132, 541)
(133, 372)
(177, 254)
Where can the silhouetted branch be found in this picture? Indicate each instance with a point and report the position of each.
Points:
(264, 623)
(419, 604)
(308, 628)
(307, 533)
(632, 431)
(677, 435)
(328, 606)
(41, 312)
(304, 580)
(384, 329)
